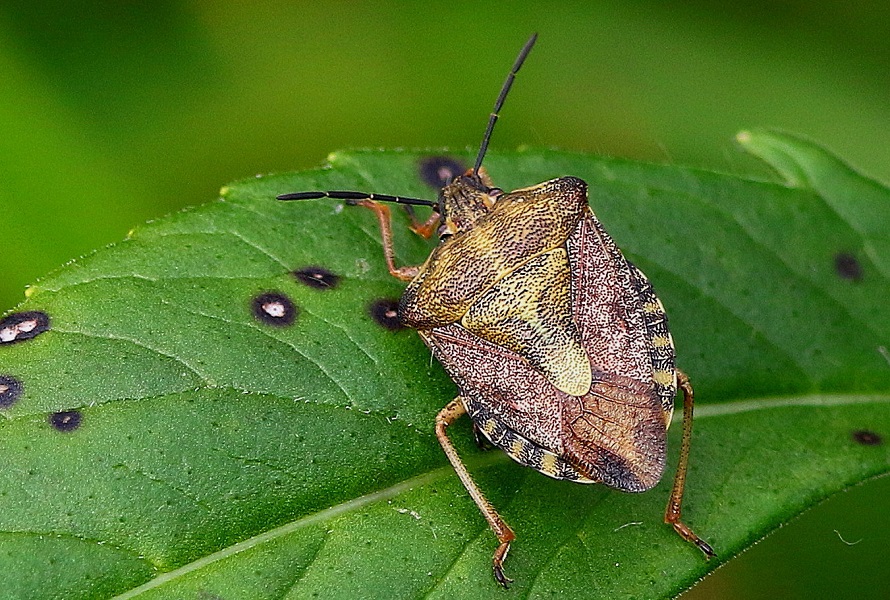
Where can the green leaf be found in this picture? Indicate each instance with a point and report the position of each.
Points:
(218, 456)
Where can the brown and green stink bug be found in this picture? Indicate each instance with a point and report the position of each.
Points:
(558, 345)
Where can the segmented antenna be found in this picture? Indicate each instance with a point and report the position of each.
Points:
(344, 195)
(358, 196)
(500, 101)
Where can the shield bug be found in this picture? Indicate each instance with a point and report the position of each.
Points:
(559, 347)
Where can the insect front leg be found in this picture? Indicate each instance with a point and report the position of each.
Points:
(448, 415)
(424, 229)
(383, 218)
(672, 513)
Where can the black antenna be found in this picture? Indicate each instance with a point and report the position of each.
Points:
(355, 196)
(500, 101)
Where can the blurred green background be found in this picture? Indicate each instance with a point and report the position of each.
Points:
(113, 114)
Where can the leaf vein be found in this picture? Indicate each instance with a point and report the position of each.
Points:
(117, 337)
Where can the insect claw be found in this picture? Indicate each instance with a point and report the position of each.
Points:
(501, 578)
(498, 565)
(706, 548)
(688, 535)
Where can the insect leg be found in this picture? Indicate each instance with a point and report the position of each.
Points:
(448, 415)
(383, 218)
(672, 513)
(427, 228)
(481, 441)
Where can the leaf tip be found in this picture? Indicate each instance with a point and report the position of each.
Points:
(781, 152)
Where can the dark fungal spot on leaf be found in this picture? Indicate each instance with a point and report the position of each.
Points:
(847, 266)
(439, 171)
(65, 420)
(21, 326)
(274, 308)
(317, 277)
(10, 390)
(867, 438)
(386, 312)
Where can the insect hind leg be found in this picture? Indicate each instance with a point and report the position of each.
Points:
(448, 415)
(673, 512)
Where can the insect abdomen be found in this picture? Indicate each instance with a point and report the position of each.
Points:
(519, 448)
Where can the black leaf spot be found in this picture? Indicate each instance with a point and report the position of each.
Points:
(65, 420)
(867, 438)
(317, 277)
(386, 312)
(10, 390)
(847, 266)
(21, 326)
(439, 171)
(274, 308)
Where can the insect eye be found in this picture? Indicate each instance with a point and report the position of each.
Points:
(495, 193)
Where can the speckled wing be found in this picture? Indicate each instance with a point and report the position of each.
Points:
(615, 433)
(610, 435)
(622, 322)
(624, 331)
